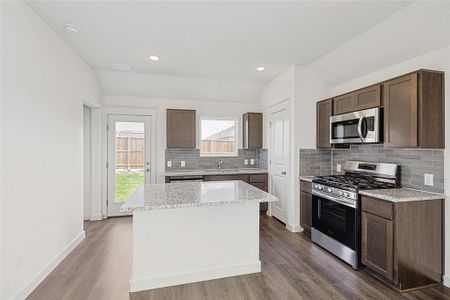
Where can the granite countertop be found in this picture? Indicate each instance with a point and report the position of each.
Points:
(306, 178)
(402, 195)
(202, 172)
(194, 194)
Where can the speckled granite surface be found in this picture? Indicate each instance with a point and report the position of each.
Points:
(202, 172)
(194, 194)
(306, 178)
(402, 195)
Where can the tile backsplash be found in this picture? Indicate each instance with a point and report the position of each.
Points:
(414, 163)
(193, 159)
(315, 162)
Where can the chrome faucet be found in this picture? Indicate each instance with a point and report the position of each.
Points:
(219, 164)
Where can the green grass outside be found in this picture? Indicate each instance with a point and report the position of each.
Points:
(126, 183)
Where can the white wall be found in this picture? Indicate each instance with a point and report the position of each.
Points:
(176, 87)
(87, 171)
(44, 86)
(304, 88)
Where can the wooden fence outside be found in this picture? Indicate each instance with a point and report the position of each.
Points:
(218, 146)
(130, 153)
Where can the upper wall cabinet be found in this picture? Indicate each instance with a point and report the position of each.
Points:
(414, 110)
(324, 110)
(252, 125)
(180, 128)
(358, 100)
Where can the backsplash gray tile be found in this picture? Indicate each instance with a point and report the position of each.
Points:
(414, 163)
(314, 162)
(194, 161)
(263, 159)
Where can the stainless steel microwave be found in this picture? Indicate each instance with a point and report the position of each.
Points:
(362, 126)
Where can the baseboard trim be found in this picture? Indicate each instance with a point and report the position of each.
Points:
(176, 279)
(96, 218)
(446, 280)
(28, 288)
(293, 228)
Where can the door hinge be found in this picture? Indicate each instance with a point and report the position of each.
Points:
(107, 127)
(106, 164)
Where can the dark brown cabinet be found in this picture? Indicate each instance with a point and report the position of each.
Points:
(180, 128)
(324, 110)
(414, 111)
(305, 206)
(344, 104)
(402, 241)
(358, 100)
(377, 244)
(252, 124)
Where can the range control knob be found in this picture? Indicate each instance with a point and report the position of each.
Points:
(329, 190)
(346, 194)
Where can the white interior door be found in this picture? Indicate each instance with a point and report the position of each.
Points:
(279, 163)
(129, 158)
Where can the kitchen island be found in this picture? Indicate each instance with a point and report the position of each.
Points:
(194, 231)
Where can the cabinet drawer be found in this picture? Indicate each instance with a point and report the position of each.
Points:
(258, 178)
(378, 207)
(226, 177)
(305, 186)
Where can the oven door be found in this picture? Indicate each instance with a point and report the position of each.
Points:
(338, 221)
(356, 127)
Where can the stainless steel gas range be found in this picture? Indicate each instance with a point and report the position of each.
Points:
(336, 206)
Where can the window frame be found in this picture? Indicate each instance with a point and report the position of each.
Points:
(218, 154)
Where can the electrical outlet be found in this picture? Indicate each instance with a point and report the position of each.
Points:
(169, 164)
(428, 179)
(245, 162)
(252, 161)
(183, 164)
(338, 168)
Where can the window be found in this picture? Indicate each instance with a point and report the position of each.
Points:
(218, 137)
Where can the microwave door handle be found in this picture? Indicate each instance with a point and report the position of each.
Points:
(360, 128)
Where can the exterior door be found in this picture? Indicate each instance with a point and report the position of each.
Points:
(279, 163)
(128, 159)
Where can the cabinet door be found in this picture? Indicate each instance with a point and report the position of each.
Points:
(344, 104)
(252, 130)
(306, 211)
(400, 112)
(377, 244)
(368, 97)
(324, 110)
(180, 128)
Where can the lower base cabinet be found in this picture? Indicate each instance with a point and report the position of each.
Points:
(377, 244)
(402, 242)
(305, 206)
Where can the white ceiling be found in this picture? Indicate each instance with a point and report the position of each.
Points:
(215, 40)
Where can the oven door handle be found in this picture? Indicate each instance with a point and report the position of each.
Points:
(343, 202)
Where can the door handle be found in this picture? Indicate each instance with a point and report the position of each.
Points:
(148, 170)
(283, 173)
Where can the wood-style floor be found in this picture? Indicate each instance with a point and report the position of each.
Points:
(292, 268)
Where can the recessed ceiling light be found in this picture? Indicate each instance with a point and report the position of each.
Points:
(260, 68)
(154, 57)
(71, 29)
(120, 67)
